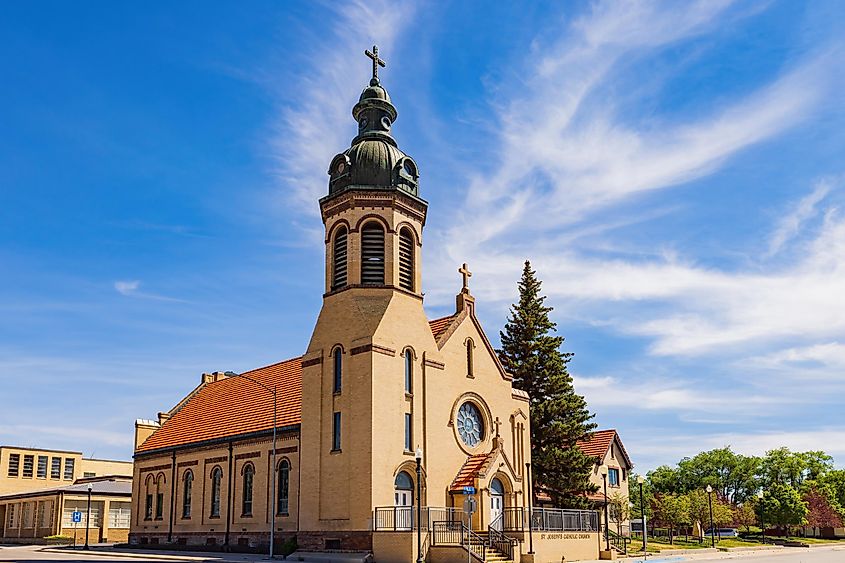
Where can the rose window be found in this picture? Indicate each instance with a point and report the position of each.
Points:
(470, 424)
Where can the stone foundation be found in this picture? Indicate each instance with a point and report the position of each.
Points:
(335, 541)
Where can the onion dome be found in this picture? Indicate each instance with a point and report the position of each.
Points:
(374, 160)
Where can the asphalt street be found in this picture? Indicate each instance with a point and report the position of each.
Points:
(38, 553)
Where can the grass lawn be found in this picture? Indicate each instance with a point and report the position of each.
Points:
(736, 542)
(818, 540)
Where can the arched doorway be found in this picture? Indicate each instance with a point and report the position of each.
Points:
(497, 502)
(403, 501)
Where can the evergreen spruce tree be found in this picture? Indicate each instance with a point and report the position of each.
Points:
(559, 416)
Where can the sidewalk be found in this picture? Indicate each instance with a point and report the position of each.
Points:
(162, 554)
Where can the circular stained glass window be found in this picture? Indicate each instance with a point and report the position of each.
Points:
(470, 424)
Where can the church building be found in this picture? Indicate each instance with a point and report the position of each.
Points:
(384, 411)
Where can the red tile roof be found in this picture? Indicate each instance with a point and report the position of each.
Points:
(234, 406)
(439, 326)
(598, 442)
(469, 471)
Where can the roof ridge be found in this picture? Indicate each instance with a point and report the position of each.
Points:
(276, 364)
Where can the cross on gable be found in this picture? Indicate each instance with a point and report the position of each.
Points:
(497, 423)
(466, 274)
(377, 62)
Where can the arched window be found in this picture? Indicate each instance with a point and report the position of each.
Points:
(496, 487)
(284, 486)
(406, 259)
(403, 482)
(216, 479)
(409, 371)
(148, 500)
(338, 369)
(188, 483)
(339, 258)
(160, 497)
(372, 254)
(470, 351)
(249, 475)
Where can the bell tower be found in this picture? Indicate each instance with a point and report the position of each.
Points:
(373, 214)
(355, 402)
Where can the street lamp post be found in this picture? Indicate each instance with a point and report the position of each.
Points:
(274, 509)
(606, 518)
(709, 490)
(762, 515)
(88, 516)
(418, 457)
(640, 480)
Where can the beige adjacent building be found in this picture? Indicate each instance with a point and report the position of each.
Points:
(27, 469)
(377, 383)
(611, 472)
(49, 512)
(40, 489)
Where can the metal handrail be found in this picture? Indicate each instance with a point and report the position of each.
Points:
(497, 539)
(617, 541)
(473, 543)
(459, 534)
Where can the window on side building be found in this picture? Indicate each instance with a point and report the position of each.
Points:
(613, 477)
(284, 485)
(14, 465)
(42, 467)
(56, 468)
(69, 468)
(216, 480)
(188, 484)
(249, 475)
(28, 465)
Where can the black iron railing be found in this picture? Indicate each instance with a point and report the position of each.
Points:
(497, 539)
(458, 534)
(404, 518)
(618, 542)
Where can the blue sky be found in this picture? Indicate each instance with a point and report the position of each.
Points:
(673, 170)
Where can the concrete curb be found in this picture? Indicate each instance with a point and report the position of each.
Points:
(751, 548)
(129, 555)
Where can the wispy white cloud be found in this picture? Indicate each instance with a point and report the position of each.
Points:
(310, 131)
(127, 288)
(790, 225)
(130, 288)
(80, 436)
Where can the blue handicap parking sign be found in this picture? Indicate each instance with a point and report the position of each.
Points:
(76, 517)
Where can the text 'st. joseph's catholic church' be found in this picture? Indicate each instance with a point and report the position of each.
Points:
(377, 381)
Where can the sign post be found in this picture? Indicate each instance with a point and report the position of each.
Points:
(76, 518)
(470, 506)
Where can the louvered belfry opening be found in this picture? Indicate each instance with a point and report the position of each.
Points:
(406, 259)
(339, 260)
(372, 254)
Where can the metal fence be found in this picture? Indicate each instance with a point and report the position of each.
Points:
(402, 518)
(515, 519)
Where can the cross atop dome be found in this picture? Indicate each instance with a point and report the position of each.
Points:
(377, 62)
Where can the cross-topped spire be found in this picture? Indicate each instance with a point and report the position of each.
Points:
(466, 274)
(377, 62)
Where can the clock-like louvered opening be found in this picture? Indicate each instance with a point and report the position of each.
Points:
(406, 260)
(372, 254)
(339, 260)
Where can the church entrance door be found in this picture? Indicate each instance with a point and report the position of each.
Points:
(403, 500)
(497, 496)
